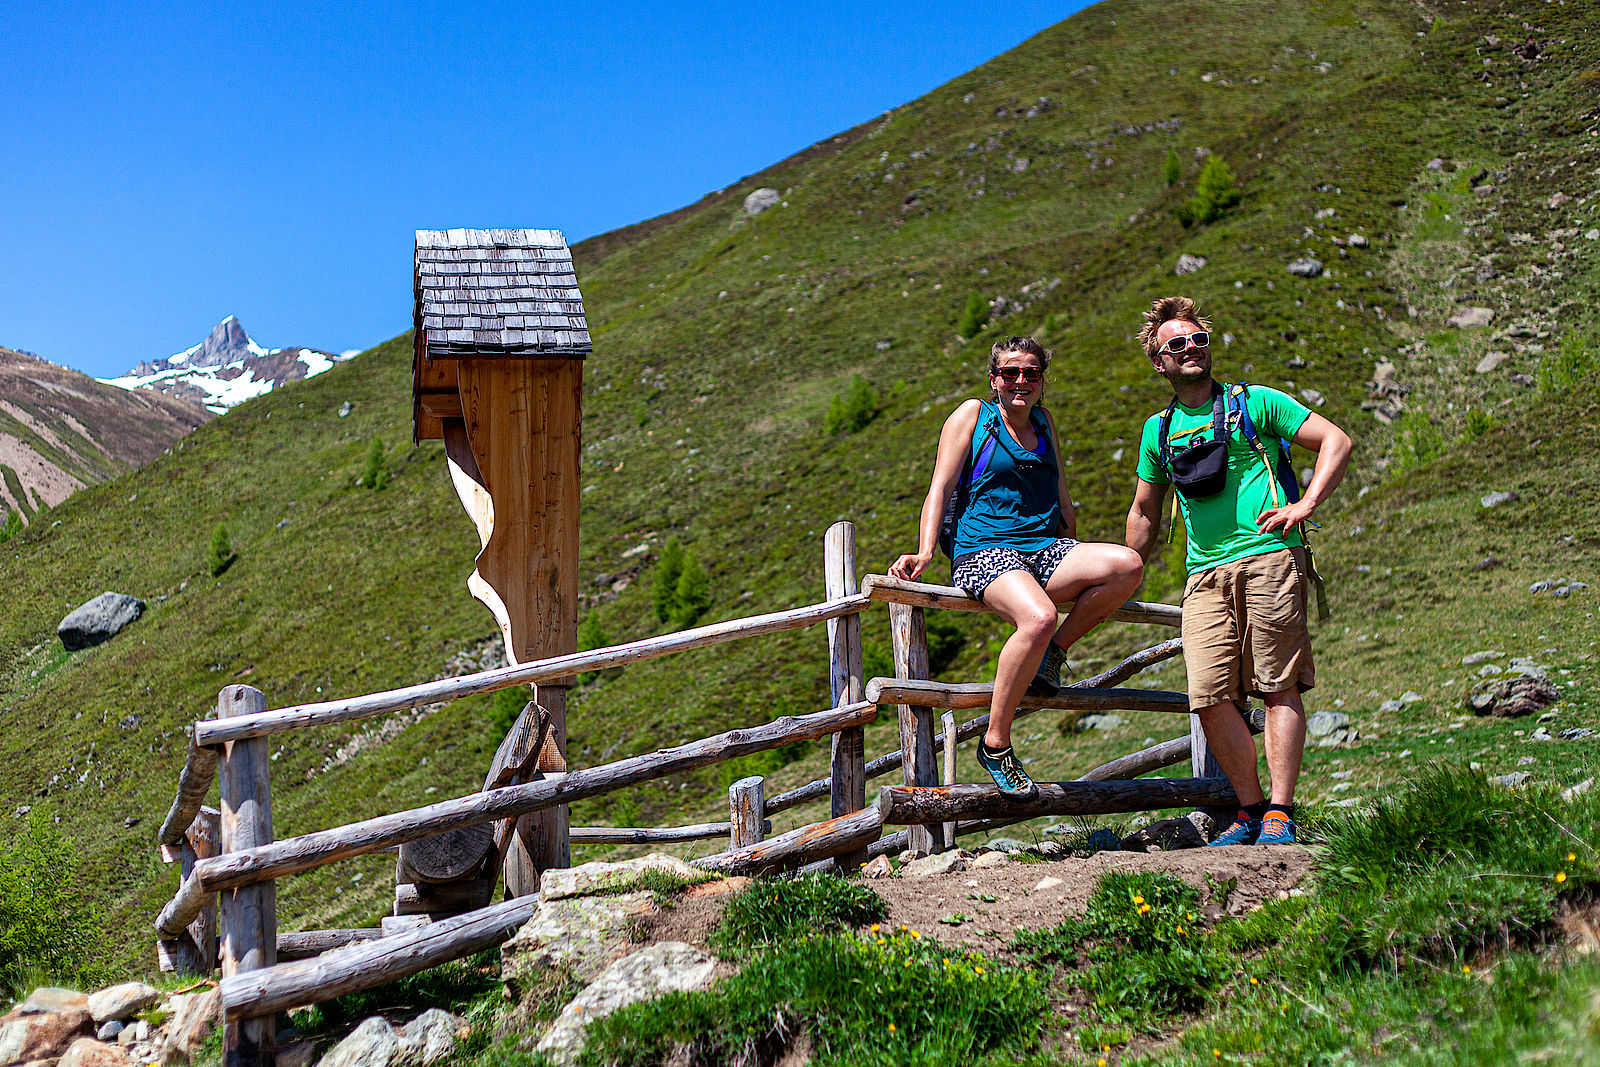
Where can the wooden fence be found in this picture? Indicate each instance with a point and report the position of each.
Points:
(230, 853)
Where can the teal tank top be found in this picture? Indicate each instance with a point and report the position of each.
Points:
(1014, 498)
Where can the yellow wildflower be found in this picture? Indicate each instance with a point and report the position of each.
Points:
(1561, 876)
(978, 971)
(874, 928)
(1101, 1062)
(892, 1028)
(1143, 908)
(1253, 980)
(1138, 899)
(916, 934)
(1571, 856)
(1465, 969)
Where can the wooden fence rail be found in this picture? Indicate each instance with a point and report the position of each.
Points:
(884, 589)
(199, 770)
(962, 696)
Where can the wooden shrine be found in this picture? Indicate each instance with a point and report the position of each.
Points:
(497, 375)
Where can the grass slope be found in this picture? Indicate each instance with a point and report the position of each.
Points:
(721, 339)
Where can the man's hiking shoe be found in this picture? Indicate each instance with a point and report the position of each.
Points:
(1244, 831)
(1047, 682)
(1276, 829)
(1006, 770)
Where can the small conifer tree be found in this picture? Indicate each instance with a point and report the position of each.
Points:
(219, 552)
(853, 409)
(693, 594)
(973, 317)
(376, 473)
(664, 585)
(1172, 167)
(1214, 194)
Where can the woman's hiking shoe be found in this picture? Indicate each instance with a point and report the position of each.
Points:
(1244, 831)
(1276, 829)
(1006, 770)
(1047, 680)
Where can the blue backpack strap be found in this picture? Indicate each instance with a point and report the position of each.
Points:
(986, 449)
(1283, 469)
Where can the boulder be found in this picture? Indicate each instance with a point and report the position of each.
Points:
(372, 1044)
(1495, 499)
(298, 1054)
(584, 934)
(1471, 318)
(929, 866)
(877, 867)
(109, 1030)
(1324, 723)
(760, 200)
(1188, 264)
(1167, 834)
(586, 879)
(1306, 268)
(40, 1035)
(50, 999)
(670, 966)
(1511, 698)
(430, 1037)
(988, 861)
(1100, 721)
(87, 1052)
(98, 621)
(193, 1016)
(1491, 362)
(122, 1001)
(1358, 240)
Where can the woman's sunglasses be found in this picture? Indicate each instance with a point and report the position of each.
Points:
(1200, 339)
(1027, 374)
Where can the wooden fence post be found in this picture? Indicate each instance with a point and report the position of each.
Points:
(849, 788)
(747, 802)
(249, 914)
(948, 721)
(918, 761)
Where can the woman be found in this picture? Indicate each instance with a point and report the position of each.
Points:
(1015, 548)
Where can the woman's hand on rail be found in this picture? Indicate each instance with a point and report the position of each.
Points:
(910, 566)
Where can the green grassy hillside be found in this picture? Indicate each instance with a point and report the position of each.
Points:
(721, 339)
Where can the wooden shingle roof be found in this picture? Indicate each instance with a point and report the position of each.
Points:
(488, 293)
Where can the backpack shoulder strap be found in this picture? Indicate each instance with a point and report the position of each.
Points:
(1164, 435)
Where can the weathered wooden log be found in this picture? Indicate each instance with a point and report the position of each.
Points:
(297, 854)
(881, 587)
(539, 841)
(966, 695)
(544, 670)
(645, 835)
(181, 910)
(948, 719)
(307, 944)
(848, 773)
(366, 964)
(847, 835)
(199, 770)
(905, 804)
(249, 912)
(447, 857)
(451, 898)
(899, 841)
(746, 799)
(186, 939)
(884, 764)
(918, 764)
(516, 762)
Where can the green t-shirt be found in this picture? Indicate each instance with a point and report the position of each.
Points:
(1222, 528)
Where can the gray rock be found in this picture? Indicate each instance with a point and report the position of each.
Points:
(588, 878)
(1592, 234)
(1577, 733)
(1358, 240)
(1473, 658)
(1491, 362)
(1510, 698)
(430, 1037)
(1165, 835)
(1324, 723)
(584, 934)
(1514, 780)
(1312, 397)
(345, 409)
(1495, 499)
(193, 1017)
(1306, 268)
(98, 620)
(122, 1001)
(372, 1044)
(1540, 734)
(109, 1030)
(760, 200)
(1103, 839)
(670, 966)
(87, 1052)
(48, 1000)
(936, 864)
(1471, 318)
(1101, 721)
(1577, 789)
(985, 862)
(1188, 264)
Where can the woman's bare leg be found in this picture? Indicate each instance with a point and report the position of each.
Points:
(1100, 578)
(1017, 597)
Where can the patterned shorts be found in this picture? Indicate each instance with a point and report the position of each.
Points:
(974, 572)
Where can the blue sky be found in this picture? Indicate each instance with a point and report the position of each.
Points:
(165, 166)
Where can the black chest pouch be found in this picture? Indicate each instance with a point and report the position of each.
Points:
(1200, 470)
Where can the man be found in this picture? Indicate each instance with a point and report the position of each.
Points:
(1244, 606)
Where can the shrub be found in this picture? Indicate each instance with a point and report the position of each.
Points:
(505, 706)
(680, 591)
(591, 635)
(1479, 422)
(376, 473)
(11, 526)
(1214, 194)
(47, 928)
(778, 911)
(973, 317)
(1576, 359)
(664, 582)
(1171, 167)
(852, 409)
(1417, 440)
(219, 551)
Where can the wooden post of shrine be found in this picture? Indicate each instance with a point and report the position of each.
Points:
(497, 376)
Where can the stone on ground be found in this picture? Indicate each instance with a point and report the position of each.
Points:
(87, 1052)
(1306, 268)
(670, 966)
(372, 1044)
(598, 877)
(760, 200)
(98, 620)
(585, 934)
(193, 1016)
(929, 866)
(1471, 318)
(431, 1037)
(877, 867)
(122, 1001)
(1165, 835)
(35, 1033)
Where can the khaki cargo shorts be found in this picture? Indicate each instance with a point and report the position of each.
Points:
(1245, 631)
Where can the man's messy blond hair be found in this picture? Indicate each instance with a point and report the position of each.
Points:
(1165, 310)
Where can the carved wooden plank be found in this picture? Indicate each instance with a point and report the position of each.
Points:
(371, 835)
(906, 804)
(967, 695)
(249, 912)
(371, 963)
(849, 764)
(882, 587)
(303, 945)
(847, 835)
(215, 732)
(199, 770)
(908, 633)
(746, 801)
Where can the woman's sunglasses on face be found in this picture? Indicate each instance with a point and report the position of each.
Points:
(1200, 339)
(1027, 374)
